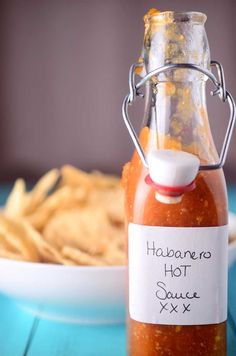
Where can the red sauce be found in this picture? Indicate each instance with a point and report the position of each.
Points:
(205, 206)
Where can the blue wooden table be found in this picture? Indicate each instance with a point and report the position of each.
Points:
(25, 335)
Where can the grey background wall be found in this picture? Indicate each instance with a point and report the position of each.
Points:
(64, 67)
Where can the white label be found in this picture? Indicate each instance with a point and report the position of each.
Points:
(178, 276)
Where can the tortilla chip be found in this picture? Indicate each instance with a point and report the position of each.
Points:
(41, 189)
(114, 256)
(15, 235)
(85, 228)
(80, 257)
(10, 255)
(70, 217)
(64, 197)
(16, 201)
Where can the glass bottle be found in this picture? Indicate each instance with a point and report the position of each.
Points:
(176, 119)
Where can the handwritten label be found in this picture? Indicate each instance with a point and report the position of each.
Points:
(178, 276)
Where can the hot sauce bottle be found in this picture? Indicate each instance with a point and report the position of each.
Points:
(176, 200)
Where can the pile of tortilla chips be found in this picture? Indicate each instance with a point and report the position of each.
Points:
(70, 217)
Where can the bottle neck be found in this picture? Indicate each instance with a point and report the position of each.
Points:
(175, 110)
(176, 115)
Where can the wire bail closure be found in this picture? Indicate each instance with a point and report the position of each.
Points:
(220, 90)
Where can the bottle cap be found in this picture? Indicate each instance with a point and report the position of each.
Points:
(172, 173)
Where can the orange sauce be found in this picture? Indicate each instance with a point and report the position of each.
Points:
(205, 206)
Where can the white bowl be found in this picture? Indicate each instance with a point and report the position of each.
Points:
(75, 294)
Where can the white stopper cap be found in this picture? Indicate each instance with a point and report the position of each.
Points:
(171, 168)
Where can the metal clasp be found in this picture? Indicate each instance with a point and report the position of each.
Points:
(220, 90)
